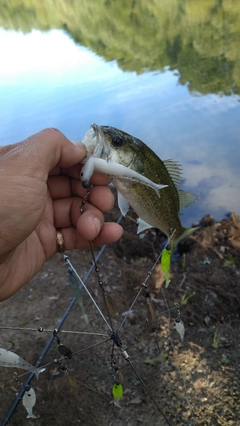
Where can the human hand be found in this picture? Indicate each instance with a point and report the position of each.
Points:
(41, 191)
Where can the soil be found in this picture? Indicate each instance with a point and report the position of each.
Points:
(194, 382)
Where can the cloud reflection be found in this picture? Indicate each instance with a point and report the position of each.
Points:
(51, 53)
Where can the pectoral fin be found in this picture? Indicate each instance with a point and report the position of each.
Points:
(142, 225)
(122, 204)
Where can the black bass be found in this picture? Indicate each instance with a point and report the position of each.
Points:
(143, 181)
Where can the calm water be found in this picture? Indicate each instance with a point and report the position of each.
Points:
(167, 74)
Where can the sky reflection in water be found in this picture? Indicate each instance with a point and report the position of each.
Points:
(47, 80)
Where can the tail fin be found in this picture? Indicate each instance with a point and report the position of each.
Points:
(185, 234)
(39, 370)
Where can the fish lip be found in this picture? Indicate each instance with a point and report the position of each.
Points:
(101, 148)
(94, 141)
(95, 127)
(97, 132)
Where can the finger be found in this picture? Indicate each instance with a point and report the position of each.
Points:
(89, 224)
(109, 233)
(102, 198)
(50, 148)
(62, 187)
(67, 213)
(73, 171)
(100, 179)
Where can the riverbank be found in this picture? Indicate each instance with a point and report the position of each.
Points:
(194, 382)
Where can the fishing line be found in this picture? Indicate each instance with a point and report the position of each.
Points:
(174, 350)
(148, 392)
(133, 303)
(115, 337)
(108, 306)
(66, 258)
(64, 358)
(146, 320)
(135, 300)
(144, 284)
(41, 330)
(48, 345)
(92, 346)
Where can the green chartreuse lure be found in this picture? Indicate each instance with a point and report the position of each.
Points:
(165, 264)
(117, 392)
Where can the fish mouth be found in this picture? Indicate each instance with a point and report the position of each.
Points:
(94, 142)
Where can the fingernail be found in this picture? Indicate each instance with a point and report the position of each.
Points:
(97, 224)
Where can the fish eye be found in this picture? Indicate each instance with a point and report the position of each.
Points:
(117, 141)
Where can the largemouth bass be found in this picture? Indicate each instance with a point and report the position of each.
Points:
(144, 182)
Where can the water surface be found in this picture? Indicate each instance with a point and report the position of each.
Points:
(165, 72)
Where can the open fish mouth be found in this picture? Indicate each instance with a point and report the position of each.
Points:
(94, 142)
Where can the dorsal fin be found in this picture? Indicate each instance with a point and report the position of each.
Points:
(185, 198)
(175, 171)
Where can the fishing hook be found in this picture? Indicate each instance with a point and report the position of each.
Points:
(9, 341)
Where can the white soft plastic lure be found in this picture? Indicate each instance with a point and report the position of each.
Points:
(10, 359)
(29, 400)
(180, 329)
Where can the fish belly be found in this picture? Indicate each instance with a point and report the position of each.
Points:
(157, 212)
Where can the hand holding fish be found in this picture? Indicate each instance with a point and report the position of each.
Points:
(41, 191)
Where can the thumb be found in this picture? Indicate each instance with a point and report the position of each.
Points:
(53, 148)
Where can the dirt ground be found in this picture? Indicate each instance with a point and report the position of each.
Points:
(193, 383)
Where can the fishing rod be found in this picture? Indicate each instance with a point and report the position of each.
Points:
(49, 343)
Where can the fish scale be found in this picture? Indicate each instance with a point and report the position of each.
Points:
(144, 203)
